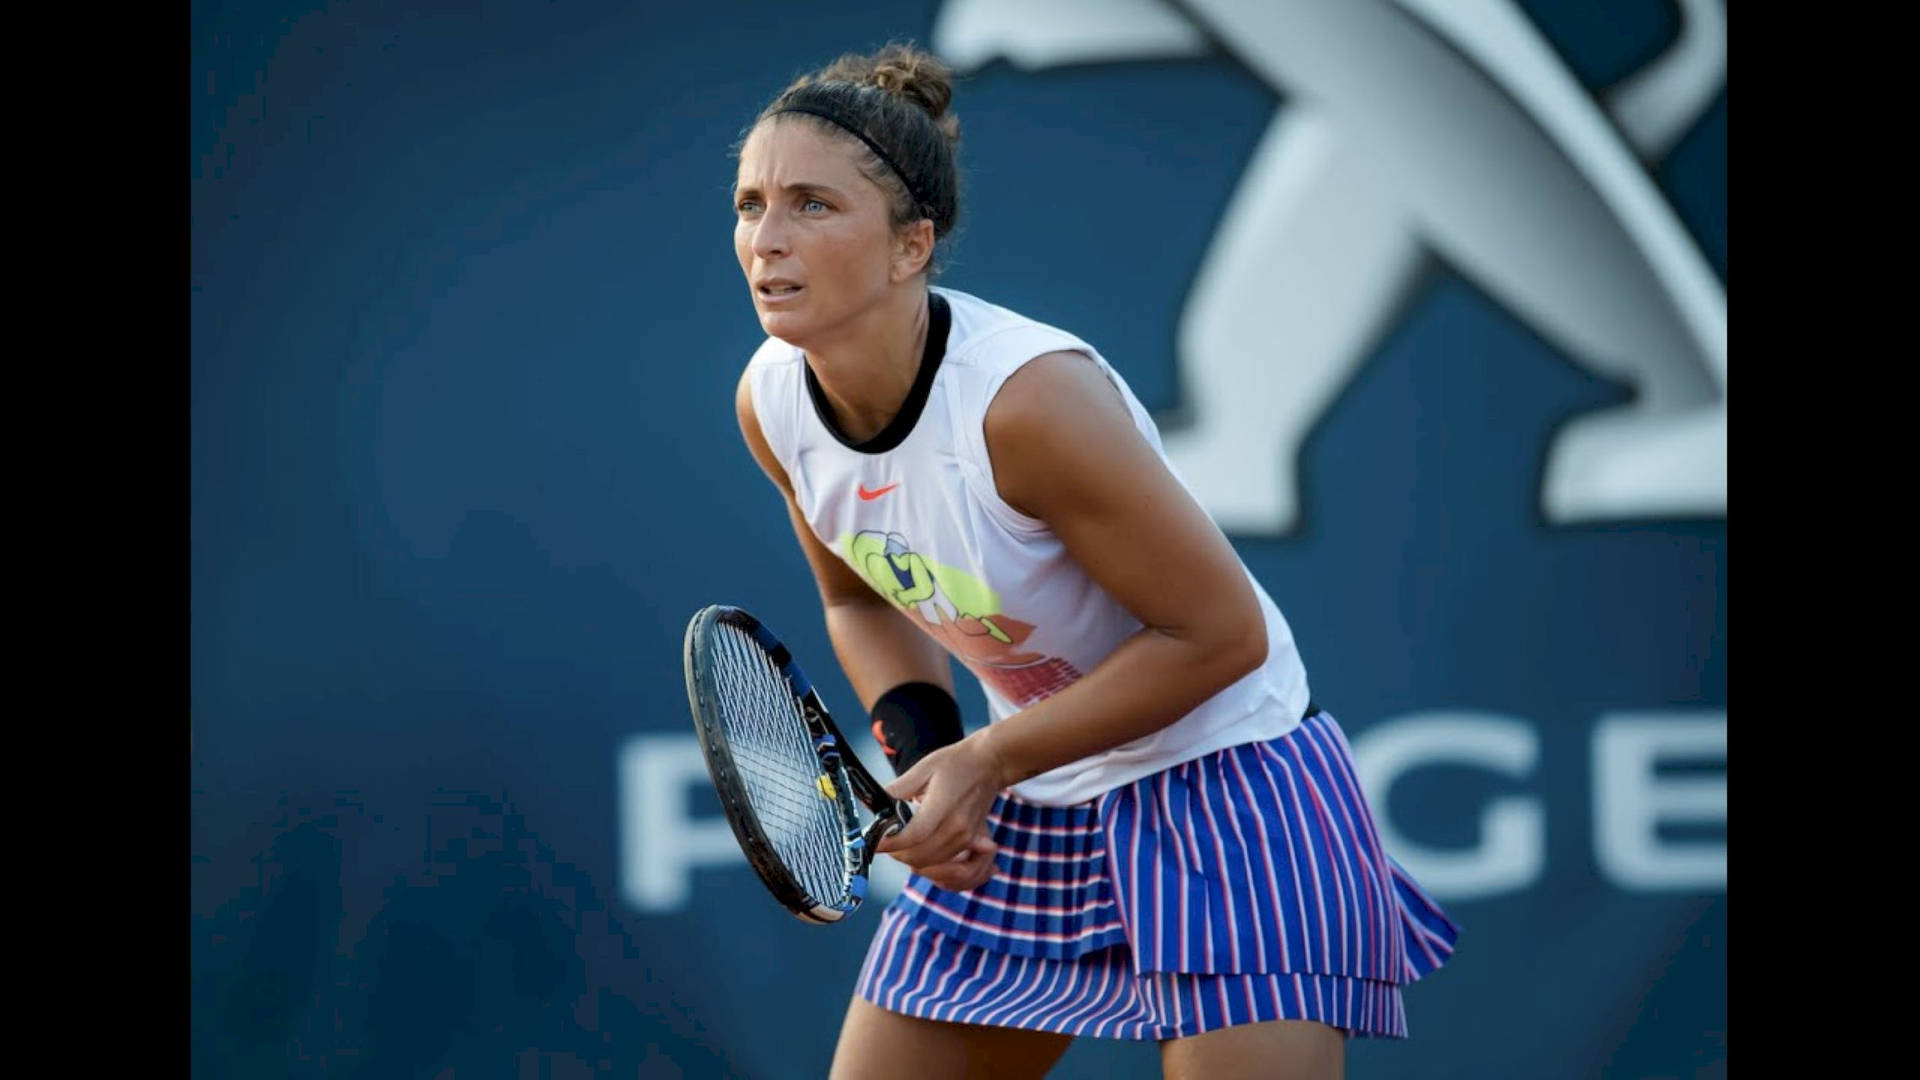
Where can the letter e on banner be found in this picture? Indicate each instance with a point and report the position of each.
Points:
(1630, 800)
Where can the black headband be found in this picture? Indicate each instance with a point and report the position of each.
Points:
(919, 201)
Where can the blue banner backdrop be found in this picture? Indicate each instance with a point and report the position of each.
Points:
(465, 327)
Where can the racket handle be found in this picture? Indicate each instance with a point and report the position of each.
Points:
(884, 826)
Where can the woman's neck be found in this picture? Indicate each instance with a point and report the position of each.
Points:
(867, 370)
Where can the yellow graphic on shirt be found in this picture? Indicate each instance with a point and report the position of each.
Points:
(957, 608)
(962, 613)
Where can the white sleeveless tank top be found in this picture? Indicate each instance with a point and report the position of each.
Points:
(915, 512)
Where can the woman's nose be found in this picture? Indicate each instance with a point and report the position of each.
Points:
(769, 238)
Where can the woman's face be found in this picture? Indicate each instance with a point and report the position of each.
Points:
(812, 233)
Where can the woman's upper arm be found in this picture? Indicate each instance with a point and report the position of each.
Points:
(1065, 450)
(837, 581)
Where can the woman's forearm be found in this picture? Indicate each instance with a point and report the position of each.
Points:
(879, 648)
(1150, 681)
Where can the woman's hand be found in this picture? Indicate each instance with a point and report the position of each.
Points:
(947, 842)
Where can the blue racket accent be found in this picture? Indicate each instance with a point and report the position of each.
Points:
(802, 686)
(768, 642)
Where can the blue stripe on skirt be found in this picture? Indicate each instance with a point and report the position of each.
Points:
(1245, 885)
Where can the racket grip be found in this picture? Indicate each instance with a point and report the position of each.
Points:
(886, 825)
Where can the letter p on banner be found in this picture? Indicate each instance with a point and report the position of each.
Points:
(660, 841)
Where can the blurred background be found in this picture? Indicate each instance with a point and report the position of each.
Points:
(1429, 297)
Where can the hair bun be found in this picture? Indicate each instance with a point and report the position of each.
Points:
(919, 76)
(905, 72)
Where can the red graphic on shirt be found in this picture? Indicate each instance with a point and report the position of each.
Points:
(1034, 682)
(1021, 677)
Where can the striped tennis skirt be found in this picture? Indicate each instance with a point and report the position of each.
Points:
(1245, 885)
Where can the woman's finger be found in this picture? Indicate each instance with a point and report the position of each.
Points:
(969, 871)
(917, 832)
(910, 784)
(940, 844)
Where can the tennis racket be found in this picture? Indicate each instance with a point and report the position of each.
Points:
(785, 775)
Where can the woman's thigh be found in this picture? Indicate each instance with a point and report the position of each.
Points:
(879, 1045)
(1270, 1050)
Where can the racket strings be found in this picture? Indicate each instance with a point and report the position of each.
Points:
(774, 754)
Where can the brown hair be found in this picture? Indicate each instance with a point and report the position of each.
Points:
(896, 103)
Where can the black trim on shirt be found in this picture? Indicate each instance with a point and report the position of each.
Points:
(939, 321)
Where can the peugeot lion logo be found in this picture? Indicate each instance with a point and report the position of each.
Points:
(1410, 127)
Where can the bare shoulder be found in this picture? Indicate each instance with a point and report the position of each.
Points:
(743, 399)
(1051, 381)
(1057, 426)
(750, 431)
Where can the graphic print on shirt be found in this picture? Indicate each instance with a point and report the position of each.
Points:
(961, 612)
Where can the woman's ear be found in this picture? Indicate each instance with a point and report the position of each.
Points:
(912, 249)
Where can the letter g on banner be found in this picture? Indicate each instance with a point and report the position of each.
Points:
(1511, 850)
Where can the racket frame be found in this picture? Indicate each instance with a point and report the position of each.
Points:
(840, 768)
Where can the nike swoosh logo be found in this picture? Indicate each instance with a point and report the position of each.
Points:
(875, 493)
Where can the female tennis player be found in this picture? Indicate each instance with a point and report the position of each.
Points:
(1157, 837)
